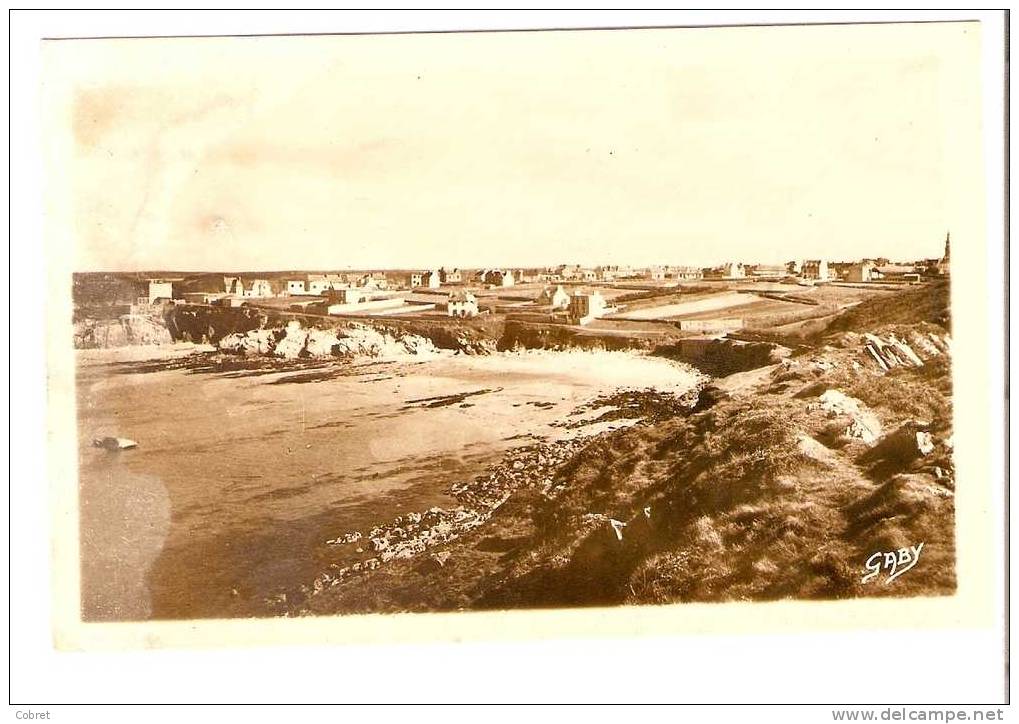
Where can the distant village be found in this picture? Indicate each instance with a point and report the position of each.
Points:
(566, 293)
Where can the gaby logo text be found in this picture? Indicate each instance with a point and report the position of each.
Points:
(894, 562)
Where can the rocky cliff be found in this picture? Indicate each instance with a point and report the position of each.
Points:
(255, 331)
(258, 331)
(124, 331)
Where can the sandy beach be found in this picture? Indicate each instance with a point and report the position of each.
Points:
(240, 477)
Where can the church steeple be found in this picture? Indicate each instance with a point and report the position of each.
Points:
(944, 265)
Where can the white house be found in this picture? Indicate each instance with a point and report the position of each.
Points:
(495, 277)
(260, 288)
(554, 297)
(452, 276)
(160, 289)
(586, 306)
(729, 270)
(569, 272)
(350, 295)
(462, 304)
(816, 269)
(735, 270)
(862, 271)
(686, 273)
(319, 284)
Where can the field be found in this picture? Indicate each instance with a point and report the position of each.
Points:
(713, 303)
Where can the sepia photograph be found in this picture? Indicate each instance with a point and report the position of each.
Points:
(518, 357)
(555, 319)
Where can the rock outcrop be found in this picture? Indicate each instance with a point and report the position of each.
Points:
(126, 331)
(354, 340)
(862, 423)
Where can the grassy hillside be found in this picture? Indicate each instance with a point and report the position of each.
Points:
(780, 483)
(928, 303)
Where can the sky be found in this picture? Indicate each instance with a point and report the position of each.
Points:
(680, 146)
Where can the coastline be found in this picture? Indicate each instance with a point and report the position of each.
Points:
(529, 469)
(435, 480)
(325, 426)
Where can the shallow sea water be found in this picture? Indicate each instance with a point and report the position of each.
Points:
(238, 481)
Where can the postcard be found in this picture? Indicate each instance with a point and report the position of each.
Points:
(419, 336)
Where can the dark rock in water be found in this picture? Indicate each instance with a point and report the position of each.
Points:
(446, 400)
(114, 443)
(647, 405)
